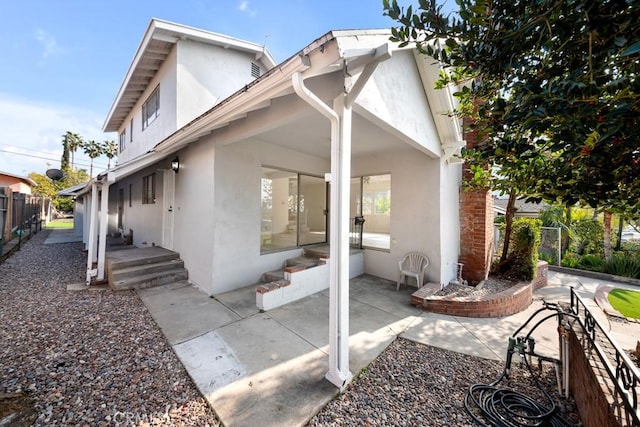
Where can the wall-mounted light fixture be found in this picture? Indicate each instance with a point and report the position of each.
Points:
(175, 164)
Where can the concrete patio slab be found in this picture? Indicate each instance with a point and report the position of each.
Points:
(286, 394)
(260, 342)
(184, 313)
(241, 301)
(220, 368)
(268, 368)
(447, 332)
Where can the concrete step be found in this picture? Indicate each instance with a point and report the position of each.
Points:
(150, 280)
(304, 261)
(121, 259)
(143, 269)
(272, 276)
(320, 252)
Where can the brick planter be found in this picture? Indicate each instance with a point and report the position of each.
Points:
(510, 301)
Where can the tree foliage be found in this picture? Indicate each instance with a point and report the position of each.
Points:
(49, 188)
(552, 87)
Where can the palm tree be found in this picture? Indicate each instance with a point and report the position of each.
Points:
(93, 150)
(75, 141)
(109, 149)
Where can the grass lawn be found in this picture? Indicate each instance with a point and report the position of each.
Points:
(60, 223)
(626, 302)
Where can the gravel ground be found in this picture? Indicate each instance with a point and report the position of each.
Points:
(91, 358)
(411, 384)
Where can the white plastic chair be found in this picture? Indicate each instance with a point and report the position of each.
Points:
(414, 264)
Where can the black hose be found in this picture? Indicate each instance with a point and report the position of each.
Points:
(490, 405)
(502, 407)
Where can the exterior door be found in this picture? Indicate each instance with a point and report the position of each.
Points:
(168, 200)
(312, 210)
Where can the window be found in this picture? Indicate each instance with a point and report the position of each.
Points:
(131, 131)
(293, 209)
(255, 70)
(130, 194)
(376, 208)
(149, 189)
(151, 108)
(123, 140)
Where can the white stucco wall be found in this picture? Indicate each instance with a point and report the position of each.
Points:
(193, 212)
(417, 213)
(144, 219)
(237, 260)
(164, 125)
(395, 100)
(208, 74)
(450, 179)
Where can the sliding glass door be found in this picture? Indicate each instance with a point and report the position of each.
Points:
(293, 210)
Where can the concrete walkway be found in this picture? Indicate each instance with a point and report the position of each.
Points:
(267, 368)
(62, 235)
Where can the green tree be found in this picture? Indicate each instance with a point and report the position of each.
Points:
(93, 150)
(75, 142)
(64, 160)
(552, 89)
(109, 149)
(555, 79)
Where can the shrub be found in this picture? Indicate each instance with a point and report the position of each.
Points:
(621, 264)
(570, 260)
(550, 257)
(592, 263)
(522, 260)
(587, 237)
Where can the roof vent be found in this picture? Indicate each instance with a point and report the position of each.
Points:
(255, 70)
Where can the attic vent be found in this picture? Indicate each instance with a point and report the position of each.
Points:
(255, 70)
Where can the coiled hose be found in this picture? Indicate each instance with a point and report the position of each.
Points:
(491, 405)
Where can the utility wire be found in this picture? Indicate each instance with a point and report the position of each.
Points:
(76, 162)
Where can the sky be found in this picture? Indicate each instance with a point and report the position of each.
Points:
(64, 60)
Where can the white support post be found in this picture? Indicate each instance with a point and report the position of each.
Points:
(102, 236)
(93, 228)
(339, 373)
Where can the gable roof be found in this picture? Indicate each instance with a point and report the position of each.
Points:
(24, 179)
(154, 48)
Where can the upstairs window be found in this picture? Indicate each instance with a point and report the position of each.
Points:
(123, 140)
(149, 189)
(131, 130)
(151, 108)
(255, 70)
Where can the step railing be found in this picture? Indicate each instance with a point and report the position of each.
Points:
(622, 373)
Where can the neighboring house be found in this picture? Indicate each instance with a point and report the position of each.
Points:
(78, 206)
(237, 163)
(523, 208)
(16, 183)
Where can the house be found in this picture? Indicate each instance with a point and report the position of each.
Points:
(239, 163)
(16, 183)
(523, 209)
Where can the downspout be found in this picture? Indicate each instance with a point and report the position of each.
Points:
(338, 373)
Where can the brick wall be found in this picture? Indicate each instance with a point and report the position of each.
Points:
(476, 225)
(476, 234)
(510, 301)
(586, 388)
